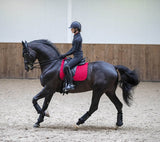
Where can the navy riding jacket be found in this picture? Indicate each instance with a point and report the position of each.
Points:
(76, 49)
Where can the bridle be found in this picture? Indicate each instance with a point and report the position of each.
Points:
(32, 65)
(30, 58)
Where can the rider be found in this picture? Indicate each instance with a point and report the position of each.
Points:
(76, 50)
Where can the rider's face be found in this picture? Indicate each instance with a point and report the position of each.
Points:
(73, 30)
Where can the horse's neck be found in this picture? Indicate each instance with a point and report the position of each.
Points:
(46, 58)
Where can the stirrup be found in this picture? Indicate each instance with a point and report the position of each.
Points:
(69, 87)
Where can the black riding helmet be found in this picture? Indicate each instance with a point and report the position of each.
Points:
(75, 25)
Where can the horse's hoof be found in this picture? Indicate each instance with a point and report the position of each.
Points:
(118, 127)
(36, 125)
(76, 126)
(80, 121)
(119, 124)
(47, 114)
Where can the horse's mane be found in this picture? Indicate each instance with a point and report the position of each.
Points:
(46, 42)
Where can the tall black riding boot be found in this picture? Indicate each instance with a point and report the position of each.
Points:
(70, 85)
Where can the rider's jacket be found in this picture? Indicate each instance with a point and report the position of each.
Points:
(76, 49)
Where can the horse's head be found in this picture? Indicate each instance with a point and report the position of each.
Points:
(29, 56)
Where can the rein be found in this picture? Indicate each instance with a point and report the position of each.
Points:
(37, 64)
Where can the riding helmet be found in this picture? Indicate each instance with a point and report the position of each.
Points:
(75, 25)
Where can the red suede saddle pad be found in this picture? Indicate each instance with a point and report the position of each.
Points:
(80, 74)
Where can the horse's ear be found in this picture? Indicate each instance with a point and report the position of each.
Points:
(23, 43)
(26, 44)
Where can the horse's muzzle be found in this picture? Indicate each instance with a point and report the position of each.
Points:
(26, 68)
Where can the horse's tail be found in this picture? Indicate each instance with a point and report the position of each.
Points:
(128, 80)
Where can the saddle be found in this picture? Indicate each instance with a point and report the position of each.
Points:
(73, 70)
(79, 72)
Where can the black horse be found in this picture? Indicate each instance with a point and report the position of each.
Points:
(102, 78)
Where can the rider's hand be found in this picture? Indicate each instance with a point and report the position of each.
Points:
(62, 56)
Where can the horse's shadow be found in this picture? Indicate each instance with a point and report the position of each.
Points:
(88, 128)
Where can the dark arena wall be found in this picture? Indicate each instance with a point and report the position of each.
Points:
(144, 58)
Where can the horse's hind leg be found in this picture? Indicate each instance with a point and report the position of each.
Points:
(94, 106)
(112, 96)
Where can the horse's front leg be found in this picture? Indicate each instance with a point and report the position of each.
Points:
(45, 106)
(40, 95)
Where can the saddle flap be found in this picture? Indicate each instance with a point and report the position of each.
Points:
(79, 72)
